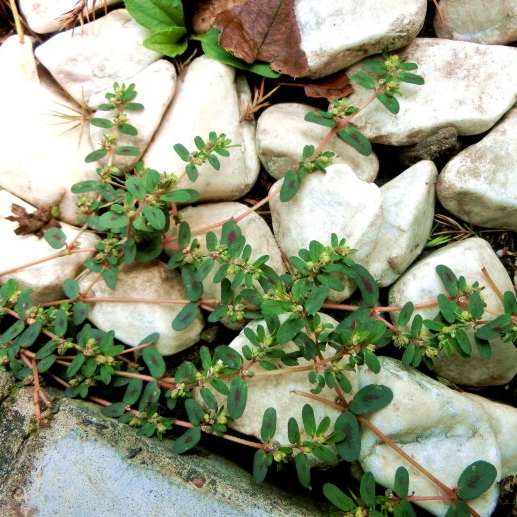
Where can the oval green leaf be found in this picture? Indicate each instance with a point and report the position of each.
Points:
(268, 429)
(237, 397)
(476, 479)
(154, 361)
(187, 440)
(371, 398)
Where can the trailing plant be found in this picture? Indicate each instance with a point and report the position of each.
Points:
(132, 212)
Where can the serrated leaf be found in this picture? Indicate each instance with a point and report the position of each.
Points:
(303, 469)
(55, 237)
(237, 398)
(154, 361)
(338, 498)
(186, 316)
(476, 479)
(371, 398)
(390, 102)
(96, 155)
(187, 440)
(268, 428)
(114, 410)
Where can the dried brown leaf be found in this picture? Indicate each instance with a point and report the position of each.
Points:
(32, 223)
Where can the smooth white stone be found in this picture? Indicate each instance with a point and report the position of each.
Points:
(155, 87)
(408, 211)
(282, 133)
(503, 421)
(89, 59)
(45, 279)
(334, 34)
(421, 284)
(479, 21)
(440, 428)
(467, 85)
(253, 227)
(333, 202)
(208, 98)
(41, 160)
(133, 321)
(478, 185)
(44, 17)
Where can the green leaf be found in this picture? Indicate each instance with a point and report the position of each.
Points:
(209, 43)
(186, 316)
(407, 77)
(136, 186)
(187, 440)
(182, 152)
(448, 279)
(45, 350)
(229, 356)
(390, 102)
(112, 220)
(75, 365)
(46, 363)
(14, 330)
(303, 469)
(128, 129)
(220, 386)
(214, 161)
(293, 431)
(338, 498)
(463, 341)
(101, 122)
(80, 312)
(29, 335)
(366, 283)
(268, 429)
(309, 420)
(260, 465)
(96, 155)
(133, 391)
(127, 150)
(493, 329)
(60, 323)
(55, 237)
(404, 509)
(363, 80)
(401, 485)
(510, 302)
(71, 288)
(376, 66)
(350, 448)
(458, 510)
(208, 398)
(184, 235)
(405, 314)
(237, 398)
(289, 328)
(372, 361)
(156, 15)
(371, 398)
(85, 186)
(317, 118)
(169, 42)
(181, 196)
(476, 479)
(196, 414)
(155, 217)
(367, 489)
(150, 396)
(154, 361)
(114, 410)
(193, 285)
(316, 299)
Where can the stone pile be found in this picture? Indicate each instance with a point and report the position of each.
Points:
(469, 90)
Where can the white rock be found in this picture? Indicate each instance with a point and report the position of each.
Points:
(42, 165)
(408, 211)
(478, 185)
(208, 99)
(133, 321)
(477, 21)
(282, 133)
(421, 284)
(467, 85)
(45, 279)
(503, 421)
(91, 58)
(335, 35)
(45, 17)
(434, 425)
(335, 202)
(253, 227)
(155, 87)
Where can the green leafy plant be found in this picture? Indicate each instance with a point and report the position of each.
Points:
(131, 213)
